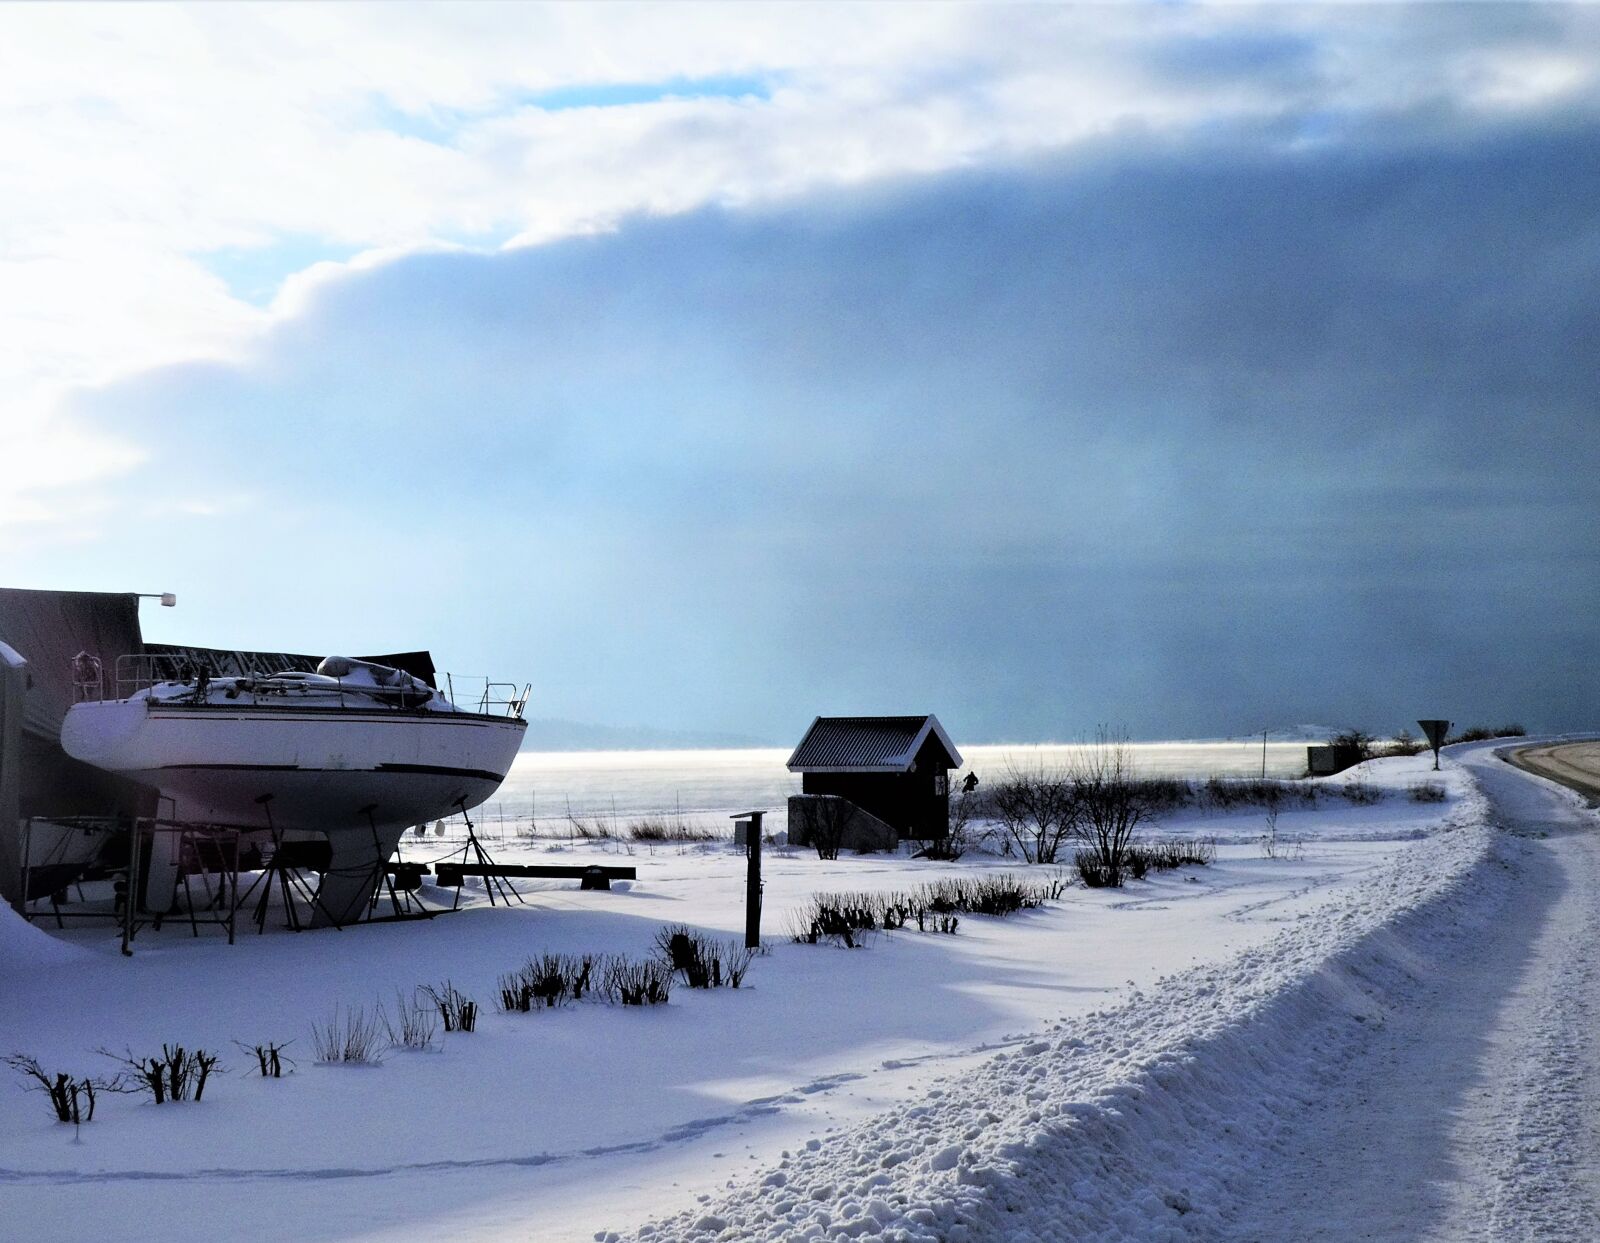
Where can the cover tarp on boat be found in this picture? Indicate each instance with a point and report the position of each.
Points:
(227, 662)
(48, 629)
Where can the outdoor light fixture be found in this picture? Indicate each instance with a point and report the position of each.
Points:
(169, 599)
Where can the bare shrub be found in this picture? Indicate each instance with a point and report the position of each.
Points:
(736, 960)
(1036, 809)
(959, 830)
(71, 1097)
(693, 955)
(1093, 872)
(1195, 850)
(457, 1011)
(1109, 803)
(1358, 740)
(702, 961)
(1360, 793)
(1227, 793)
(353, 1038)
(1403, 743)
(413, 1026)
(825, 819)
(177, 1074)
(552, 980)
(667, 829)
(1426, 792)
(636, 981)
(843, 919)
(269, 1057)
(594, 829)
(850, 919)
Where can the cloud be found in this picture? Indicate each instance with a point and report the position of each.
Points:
(1194, 436)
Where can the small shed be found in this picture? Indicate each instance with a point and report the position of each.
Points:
(894, 768)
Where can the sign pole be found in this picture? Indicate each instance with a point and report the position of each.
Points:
(750, 822)
(1436, 732)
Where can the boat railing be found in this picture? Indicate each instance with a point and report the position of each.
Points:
(487, 698)
(140, 671)
(130, 674)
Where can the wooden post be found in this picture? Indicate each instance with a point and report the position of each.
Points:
(751, 820)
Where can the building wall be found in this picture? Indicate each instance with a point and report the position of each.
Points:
(912, 802)
(862, 830)
(1325, 761)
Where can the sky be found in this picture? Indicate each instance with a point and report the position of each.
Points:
(1192, 370)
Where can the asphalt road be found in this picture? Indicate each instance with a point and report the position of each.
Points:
(1575, 765)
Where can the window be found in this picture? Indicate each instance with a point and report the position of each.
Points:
(941, 784)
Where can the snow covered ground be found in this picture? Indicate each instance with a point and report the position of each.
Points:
(1131, 1064)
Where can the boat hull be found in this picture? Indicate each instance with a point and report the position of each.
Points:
(359, 777)
(298, 768)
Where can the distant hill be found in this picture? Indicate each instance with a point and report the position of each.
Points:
(551, 734)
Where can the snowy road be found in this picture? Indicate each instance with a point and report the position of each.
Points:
(1419, 1062)
(1475, 1113)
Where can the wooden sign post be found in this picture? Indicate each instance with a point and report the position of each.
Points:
(750, 824)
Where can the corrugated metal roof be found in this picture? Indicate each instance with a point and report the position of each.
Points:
(866, 743)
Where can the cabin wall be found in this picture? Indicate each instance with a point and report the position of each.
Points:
(914, 802)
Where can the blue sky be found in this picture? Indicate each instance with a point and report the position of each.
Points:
(1042, 368)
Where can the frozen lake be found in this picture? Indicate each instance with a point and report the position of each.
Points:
(712, 784)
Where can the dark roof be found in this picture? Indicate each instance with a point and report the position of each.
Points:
(871, 744)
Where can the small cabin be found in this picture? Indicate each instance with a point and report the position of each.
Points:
(894, 768)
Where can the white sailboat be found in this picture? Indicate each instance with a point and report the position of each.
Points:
(355, 753)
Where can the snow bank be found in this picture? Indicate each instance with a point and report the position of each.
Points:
(24, 947)
(1142, 1121)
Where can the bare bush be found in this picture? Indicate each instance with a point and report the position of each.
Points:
(1360, 793)
(668, 829)
(546, 982)
(1358, 740)
(269, 1057)
(1426, 792)
(1110, 803)
(850, 919)
(353, 1038)
(702, 961)
(594, 829)
(636, 981)
(71, 1097)
(843, 919)
(825, 819)
(177, 1074)
(1093, 872)
(457, 1011)
(1403, 743)
(413, 1026)
(1036, 809)
(959, 830)
(736, 960)
(1275, 845)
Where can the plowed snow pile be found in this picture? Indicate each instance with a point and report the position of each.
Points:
(1138, 1122)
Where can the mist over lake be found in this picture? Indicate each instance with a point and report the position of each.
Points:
(714, 783)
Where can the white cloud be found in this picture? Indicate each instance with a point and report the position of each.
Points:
(138, 141)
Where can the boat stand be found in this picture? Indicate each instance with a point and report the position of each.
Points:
(291, 884)
(401, 902)
(493, 881)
